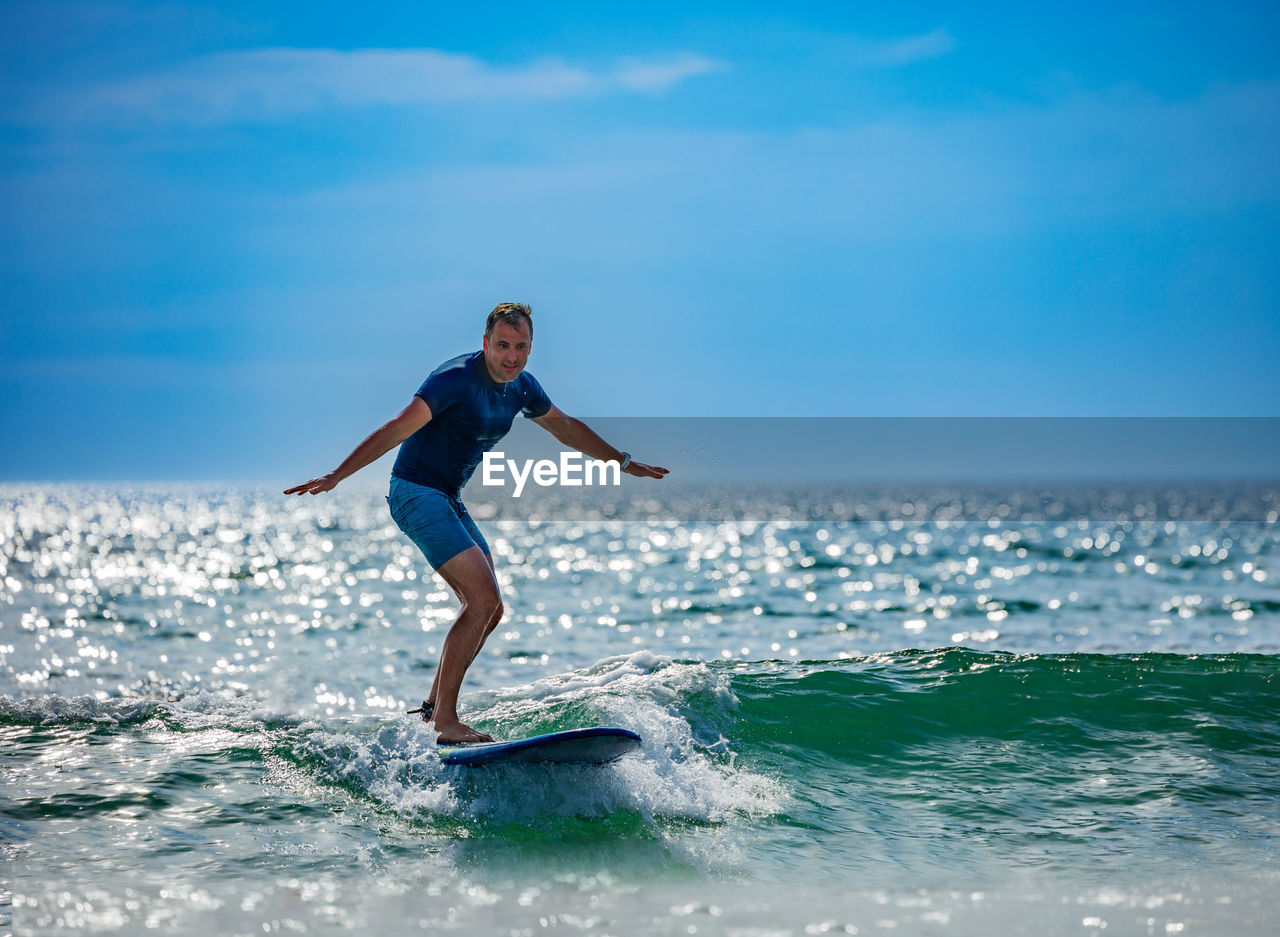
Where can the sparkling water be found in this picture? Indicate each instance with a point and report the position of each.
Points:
(940, 712)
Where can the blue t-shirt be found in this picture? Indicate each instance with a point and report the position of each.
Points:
(470, 413)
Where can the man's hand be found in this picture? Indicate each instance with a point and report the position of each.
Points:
(315, 486)
(641, 470)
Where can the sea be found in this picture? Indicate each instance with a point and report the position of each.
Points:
(993, 709)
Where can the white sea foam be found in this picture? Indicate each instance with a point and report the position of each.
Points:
(66, 710)
(673, 777)
(681, 773)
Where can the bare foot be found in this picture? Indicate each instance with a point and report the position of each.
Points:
(455, 732)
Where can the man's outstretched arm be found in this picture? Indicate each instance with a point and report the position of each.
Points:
(377, 444)
(573, 432)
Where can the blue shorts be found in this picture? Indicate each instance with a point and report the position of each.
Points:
(438, 523)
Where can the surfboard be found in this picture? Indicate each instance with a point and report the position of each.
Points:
(595, 746)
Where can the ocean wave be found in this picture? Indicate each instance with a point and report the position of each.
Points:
(879, 705)
(917, 756)
(682, 773)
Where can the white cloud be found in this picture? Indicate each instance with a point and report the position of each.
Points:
(661, 74)
(262, 84)
(904, 51)
(646, 198)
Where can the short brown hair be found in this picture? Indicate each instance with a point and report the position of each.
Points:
(511, 314)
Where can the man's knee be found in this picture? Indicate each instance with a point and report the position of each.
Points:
(496, 615)
(471, 577)
(487, 605)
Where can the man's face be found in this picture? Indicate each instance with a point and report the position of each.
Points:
(506, 351)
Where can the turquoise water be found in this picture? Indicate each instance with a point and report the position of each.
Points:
(986, 726)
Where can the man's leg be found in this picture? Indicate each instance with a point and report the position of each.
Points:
(470, 576)
(489, 627)
(497, 616)
(493, 623)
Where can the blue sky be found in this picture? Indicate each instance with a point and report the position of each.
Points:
(235, 237)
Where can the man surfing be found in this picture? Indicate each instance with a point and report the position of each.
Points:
(461, 411)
